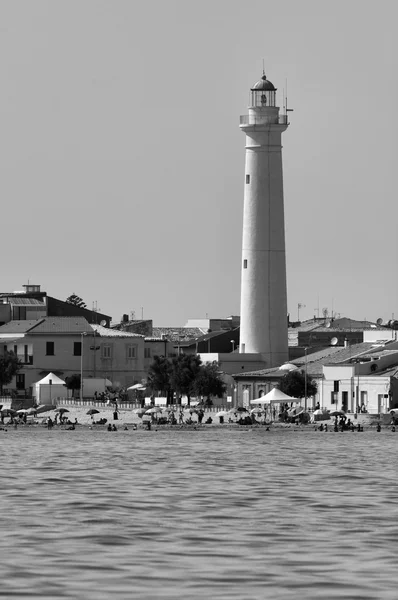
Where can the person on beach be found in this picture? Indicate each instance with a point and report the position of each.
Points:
(50, 423)
(114, 428)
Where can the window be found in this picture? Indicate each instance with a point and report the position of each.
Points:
(50, 348)
(131, 351)
(334, 397)
(247, 178)
(147, 353)
(77, 348)
(26, 356)
(106, 351)
(245, 263)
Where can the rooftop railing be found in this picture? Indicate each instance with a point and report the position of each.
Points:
(252, 120)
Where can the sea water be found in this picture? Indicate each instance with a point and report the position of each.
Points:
(212, 512)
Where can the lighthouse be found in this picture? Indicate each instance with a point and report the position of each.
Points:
(263, 328)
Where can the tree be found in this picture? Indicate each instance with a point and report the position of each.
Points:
(76, 301)
(293, 384)
(73, 382)
(159, 376)
(208, 382)
(184, 370)
(9, 367)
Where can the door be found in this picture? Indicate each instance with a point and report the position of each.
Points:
(20, 381)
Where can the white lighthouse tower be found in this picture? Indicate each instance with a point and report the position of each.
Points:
(263, 327)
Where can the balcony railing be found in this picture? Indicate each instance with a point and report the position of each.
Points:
(26, 359)
(252, 120)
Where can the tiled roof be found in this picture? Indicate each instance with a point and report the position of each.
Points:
(177, 334)
(314, 362)
(348, 329)
(105, 332)
(62, 325)
(19, 326)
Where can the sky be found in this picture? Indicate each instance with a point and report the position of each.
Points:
(122, 162)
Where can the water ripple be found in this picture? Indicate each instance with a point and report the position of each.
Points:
(224, 513)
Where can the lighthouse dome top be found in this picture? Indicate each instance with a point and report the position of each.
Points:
(263, 85)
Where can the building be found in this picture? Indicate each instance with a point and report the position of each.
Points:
(360, 375)
(71, 345)
(32, 303)
(263, 328)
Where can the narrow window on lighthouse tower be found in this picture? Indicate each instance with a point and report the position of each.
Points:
(247, 178)
(245, 263)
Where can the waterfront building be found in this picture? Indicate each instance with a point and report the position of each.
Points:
(359, 375)
(71, 345)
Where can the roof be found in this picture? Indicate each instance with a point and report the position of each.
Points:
(19, 326)
(23, 301)
(177, 334)
(61, 325)
(113, 333)
(263, 84)
(314, 362)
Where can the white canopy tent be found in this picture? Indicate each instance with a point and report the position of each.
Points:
(48, 388)
(275, 396)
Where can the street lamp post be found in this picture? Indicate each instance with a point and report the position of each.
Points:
(305, 380)
(81, 365)
(233, 345)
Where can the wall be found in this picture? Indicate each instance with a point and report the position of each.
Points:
(119, 368)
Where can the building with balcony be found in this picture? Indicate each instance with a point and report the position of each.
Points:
(71, 345)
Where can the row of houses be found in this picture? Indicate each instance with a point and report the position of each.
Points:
(354, 377)
(355, 364)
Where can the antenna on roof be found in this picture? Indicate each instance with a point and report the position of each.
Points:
(263, 68)
(379, 321)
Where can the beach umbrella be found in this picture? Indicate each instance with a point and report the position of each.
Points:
(22, 411)
(257, 411)
(153, 410)
(295, 412)
(139, 412)
(337, 413)
(240, 409)
(44, 408)
(221, 413)
(61, 411)
(32, 410)
(318, 411)
(92, 411)
(8, 412)
(137, 386)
